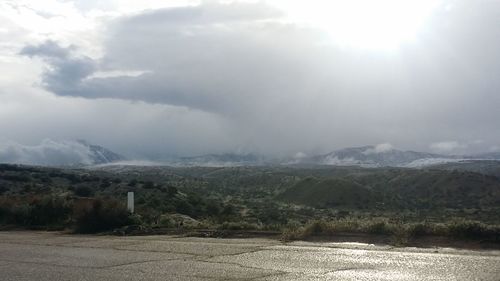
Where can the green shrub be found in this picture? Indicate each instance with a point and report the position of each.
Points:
(19, 214)
(101, 215)
(35, 211)
(83, 191)
(239, 226)
(293, 233)
(468, 229)
(49, 210)
(166, 221)
(419, 229)
(379, 227)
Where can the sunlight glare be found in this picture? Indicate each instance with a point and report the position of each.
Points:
(363, 23)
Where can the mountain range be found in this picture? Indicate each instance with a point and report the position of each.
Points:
(81, 152)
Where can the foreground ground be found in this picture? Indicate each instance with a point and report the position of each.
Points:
(52, 256)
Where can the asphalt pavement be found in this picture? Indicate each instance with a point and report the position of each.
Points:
(45, 256)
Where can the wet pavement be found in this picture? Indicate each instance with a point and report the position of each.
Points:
(51, 256)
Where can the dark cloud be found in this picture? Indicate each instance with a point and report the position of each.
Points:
(48, 49)
(66, 72)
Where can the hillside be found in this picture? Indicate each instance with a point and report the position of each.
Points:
(262, 196)
(333, 192)
(487, 167)
(399, 189)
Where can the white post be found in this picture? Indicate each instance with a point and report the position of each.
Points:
(130, 202)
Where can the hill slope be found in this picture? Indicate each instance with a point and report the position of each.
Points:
(399, 189)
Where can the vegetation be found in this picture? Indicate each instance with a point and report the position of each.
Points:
(303, 202)
(101, 215)
(400, 231)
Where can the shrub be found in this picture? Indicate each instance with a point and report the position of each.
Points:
(185, 208)
(314, 228)
(101, 215)
(19, 214)
(49, 210)
(293, 233)
(166, 221)
(3, 189)
(379, 227)
(83, 191)
(468, 229)
(35, 211)
(239, 226)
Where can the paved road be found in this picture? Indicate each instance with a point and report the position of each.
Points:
(51, 257)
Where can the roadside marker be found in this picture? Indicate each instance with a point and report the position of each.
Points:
(130, 202)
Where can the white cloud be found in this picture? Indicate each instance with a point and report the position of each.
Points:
(379, 148)
(219, 78)
(448, 147)
(421, 163)
(48, 152)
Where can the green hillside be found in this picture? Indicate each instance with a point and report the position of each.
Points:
(328, 193)
(263, 197)
(398, 189)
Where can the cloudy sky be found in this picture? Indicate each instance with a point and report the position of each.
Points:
(153, 79)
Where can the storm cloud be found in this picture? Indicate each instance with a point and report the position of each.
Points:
(268, 85)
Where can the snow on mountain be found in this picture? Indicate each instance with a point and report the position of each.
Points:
(373, 156)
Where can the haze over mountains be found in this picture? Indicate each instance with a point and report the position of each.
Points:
(82, 153)
(57, 153)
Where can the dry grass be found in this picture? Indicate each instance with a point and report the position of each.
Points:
(400, 233)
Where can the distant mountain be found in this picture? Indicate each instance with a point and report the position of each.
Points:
(100, 155)
(220, 160)
(365, 156)
(486, 156)
(376, 156)
(57, 153)
(382, 155)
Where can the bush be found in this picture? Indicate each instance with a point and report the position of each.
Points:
(35, 211)
(101, 215)
(185, 208)
(83, 191)
(166, 221)
(239, 226)
(468, 229)
(49, 210)
(379, 227)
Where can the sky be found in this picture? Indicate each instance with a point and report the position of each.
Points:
(156, 79)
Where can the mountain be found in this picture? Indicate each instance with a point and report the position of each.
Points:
(376, 156)
(486, 156)
(383, 155)
(220, 160)
(100, 155)
(57, 153)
